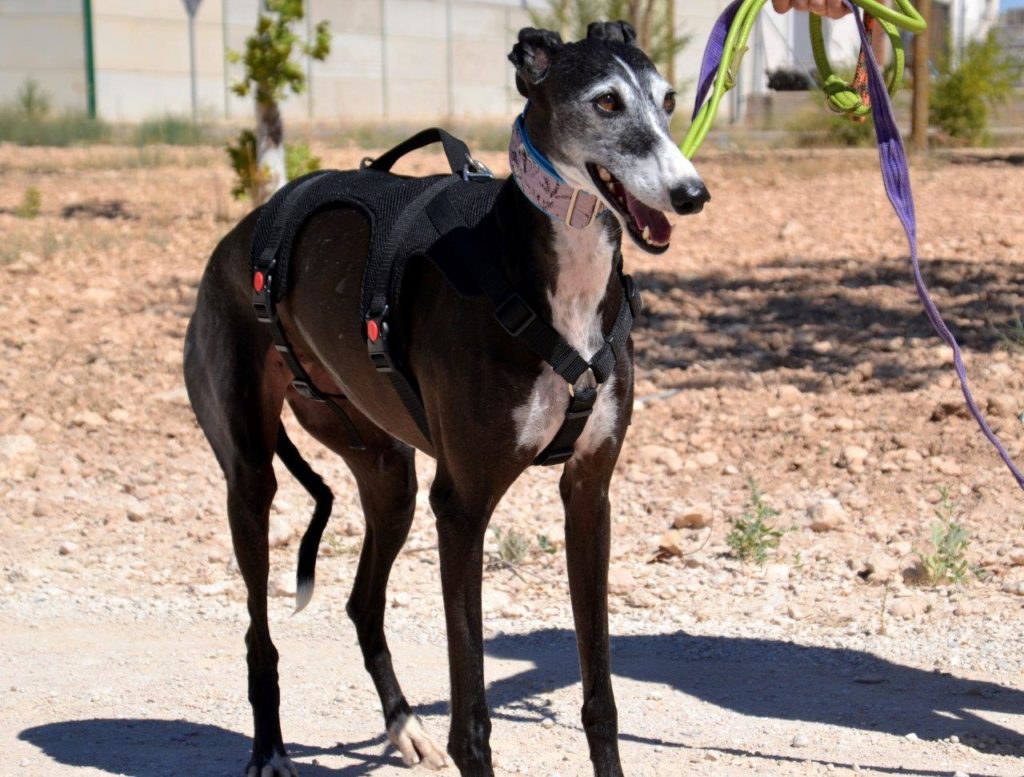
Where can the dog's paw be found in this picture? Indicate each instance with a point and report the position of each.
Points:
(278, 765)
(415, 745)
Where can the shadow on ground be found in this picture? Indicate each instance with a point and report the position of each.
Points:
(771, 319)
(760, 678)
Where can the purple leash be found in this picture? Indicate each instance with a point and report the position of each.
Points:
(895, 177)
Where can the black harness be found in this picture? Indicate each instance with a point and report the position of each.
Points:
(450, 220)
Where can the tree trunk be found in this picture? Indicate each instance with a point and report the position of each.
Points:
(270, 148)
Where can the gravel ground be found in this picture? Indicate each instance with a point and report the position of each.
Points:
(777, 346)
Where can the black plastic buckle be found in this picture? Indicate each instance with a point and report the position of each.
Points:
(475, 170)
(306, 390)
(636, 302)
(514, 314)
(377, 346)
(581, 405)
(549, 458)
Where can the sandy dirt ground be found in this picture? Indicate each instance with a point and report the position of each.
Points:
(782, 342)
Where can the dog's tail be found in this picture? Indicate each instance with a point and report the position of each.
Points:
(324, 499)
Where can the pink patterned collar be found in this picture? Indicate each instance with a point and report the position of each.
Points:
(544, 187)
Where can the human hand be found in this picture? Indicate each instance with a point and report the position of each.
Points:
(833, 9)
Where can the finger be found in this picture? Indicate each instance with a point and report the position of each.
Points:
(836, 9)
(801, 5)
(781, 6)
(819, 7)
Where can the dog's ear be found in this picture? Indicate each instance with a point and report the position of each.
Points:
(532, 55)
(620, 32)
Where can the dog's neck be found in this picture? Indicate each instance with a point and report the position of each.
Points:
(571, 262)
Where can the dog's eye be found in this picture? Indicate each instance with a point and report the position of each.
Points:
(670, 102)
(609, 103)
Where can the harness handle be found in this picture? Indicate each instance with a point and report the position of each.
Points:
(455, 150)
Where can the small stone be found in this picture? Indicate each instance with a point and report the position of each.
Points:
(401, 599)
(32, 424)
(911, 736)
(959, 773)
(1016, 557)
(711, 755)
(799, 740)
(776, 573)
(795, 612)
(673, 542)
(67, 548)
(1002, 406)
(284, 585)
(88, 419)
(19, 457)
(661, 454)
(280, 532)
(706, 458)
(822, 347)
(138, 512)
(955, 740)
(693, 517)
(907, 608)
(641, 599)
(177, 396)
(548, 723)
(212, 589)
(853, 458)
(119, 415)
(826, 515)
(620, 581)
(879, 567)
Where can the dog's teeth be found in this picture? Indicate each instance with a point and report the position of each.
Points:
(604, 174)
(647, 234)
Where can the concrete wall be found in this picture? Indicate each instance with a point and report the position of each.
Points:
(43, 40)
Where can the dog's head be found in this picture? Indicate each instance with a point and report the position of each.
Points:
(599, 110)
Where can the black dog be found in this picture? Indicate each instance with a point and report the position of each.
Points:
(601, 160)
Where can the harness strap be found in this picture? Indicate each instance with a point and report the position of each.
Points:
(266, 312)
(520, 320)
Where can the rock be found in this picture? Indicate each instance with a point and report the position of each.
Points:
(641, 599)
(879, 567)
(401, 599)
(283, 585)
(661, 454)
(706, 458)
(945, 466)
(32, 424)
(673, 542)
(138, 512)
(912, 737)
(1003, 407)
(620, 581)
(908, 607)
(67, 548)
(853, 458)
(799, 740)
(119, 415)
(822, 347)
(548, 723)
(19, 456)
(696, 516)
(212, 589)
(826, 515)
(88, 419)
(281, 532)
(176, 396)
(796, 613)
(1016, 557)
(776, 573)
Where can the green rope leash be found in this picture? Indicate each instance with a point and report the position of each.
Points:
(840, 96)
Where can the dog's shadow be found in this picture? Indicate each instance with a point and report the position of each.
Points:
(759, 678)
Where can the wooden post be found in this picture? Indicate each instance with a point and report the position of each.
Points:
(922, 79)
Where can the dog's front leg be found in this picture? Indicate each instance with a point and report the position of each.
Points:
(584, 489)
(461, 523)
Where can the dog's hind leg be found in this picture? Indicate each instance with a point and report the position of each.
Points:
(584, 490)
(237, 394)
(386, 476)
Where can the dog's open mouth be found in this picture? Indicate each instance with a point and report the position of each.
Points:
(647, 226)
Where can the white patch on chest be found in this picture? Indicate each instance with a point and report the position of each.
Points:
(584, 264)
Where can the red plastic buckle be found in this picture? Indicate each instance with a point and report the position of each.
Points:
(257, 282)
(372, 330)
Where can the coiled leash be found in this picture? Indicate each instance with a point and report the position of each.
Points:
(725, 48)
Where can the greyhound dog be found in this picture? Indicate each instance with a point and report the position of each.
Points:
(599, 112)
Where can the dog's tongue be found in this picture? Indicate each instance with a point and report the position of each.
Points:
(661, 230)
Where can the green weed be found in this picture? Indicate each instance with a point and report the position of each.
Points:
(946, 563)
(752, 535)
(31, 204)
(513, 547)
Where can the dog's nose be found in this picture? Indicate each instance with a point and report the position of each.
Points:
(689, 198)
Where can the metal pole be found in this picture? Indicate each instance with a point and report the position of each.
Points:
(384, 58)
(309, 60)
(90, 60)
(450, 58)
(922, 76)
(192, 66)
